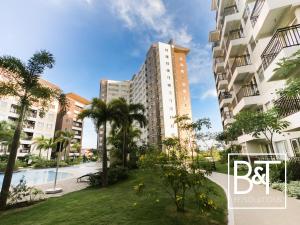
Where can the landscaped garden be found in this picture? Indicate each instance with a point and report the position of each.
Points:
(120, 204)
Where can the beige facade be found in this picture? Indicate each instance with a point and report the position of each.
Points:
(249, 40)
(69, 121)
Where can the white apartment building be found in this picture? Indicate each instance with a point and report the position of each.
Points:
(162, 86)
(34, 125)
(249, 40)
(138, 94)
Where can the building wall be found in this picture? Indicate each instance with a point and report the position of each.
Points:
(239, 61)
(162, 86)
(34, 125)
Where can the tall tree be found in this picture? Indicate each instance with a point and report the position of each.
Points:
(22, 81)
(100, 113)
(127, 114)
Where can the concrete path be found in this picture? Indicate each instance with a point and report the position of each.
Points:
(70, 184)
(288, 216)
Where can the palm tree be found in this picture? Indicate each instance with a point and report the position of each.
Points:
(127, 115)
(76, 147)
(100, 113)
(49, 144)
(40, 143)
(66, 137)
(22, 81)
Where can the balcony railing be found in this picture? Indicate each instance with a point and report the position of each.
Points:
(225, 95)
(283, 38)
(239, 61)
(220, 77)
(287, 105)
(256, 11)
(230, 10)
(247, 91)
(234, 34)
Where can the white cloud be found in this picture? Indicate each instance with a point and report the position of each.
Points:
(150, 14)
(210, 93)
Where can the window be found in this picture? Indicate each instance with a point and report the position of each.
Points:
(168, 77)
(166, 56)
(169, 85)
(167, 63)
(166, 49)
(168, 70)
(281, 149)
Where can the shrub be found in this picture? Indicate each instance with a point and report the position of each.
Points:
(21, 192)
(231, 149)
(115, 175)
(277, 172)
(3, 166)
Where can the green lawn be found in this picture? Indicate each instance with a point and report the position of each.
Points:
(117, 205)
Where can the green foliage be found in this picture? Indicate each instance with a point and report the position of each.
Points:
(6, 132)
(293, 188)
(231, 149)
(277, 172)
(3, 165)
(139, 188)
(178, 176)
(21, 192)
(258, 123)
(115, 175)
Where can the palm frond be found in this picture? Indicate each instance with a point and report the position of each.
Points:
(39, 62)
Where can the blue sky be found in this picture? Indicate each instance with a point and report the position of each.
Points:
(97, 39)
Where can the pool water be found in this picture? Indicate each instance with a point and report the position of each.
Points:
(36, 176)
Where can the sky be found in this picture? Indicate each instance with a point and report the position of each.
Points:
(109, 39)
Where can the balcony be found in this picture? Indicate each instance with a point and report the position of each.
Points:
(225, 98)
(289, 109)
(221, 81)
(247, 97)
(229, 10)
(265, 15)
(227, 117)
(219, 65)
(217, 50)
(256, 11)
(284, 43)
(233, 35)
(240, 61)
(24, 150)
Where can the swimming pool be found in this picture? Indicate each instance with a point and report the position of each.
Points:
(36, 176)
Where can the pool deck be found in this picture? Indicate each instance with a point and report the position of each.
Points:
(70, 184)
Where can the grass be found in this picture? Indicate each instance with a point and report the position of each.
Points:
(116, 205)
(223, 168)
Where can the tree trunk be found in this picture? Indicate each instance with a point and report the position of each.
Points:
(124, 148)
(104, 159)
(12, 159)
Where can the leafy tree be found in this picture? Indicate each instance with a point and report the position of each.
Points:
(128, 113)
(192, 129)
(100, 113)
(76, 147)
(288, 68)
(259, 123)
(22, 81)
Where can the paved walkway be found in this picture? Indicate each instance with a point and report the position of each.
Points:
(288, 216)
(70, 184)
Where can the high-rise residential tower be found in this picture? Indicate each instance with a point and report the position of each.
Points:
(249, 40)
(162, 86)
(69, 120)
